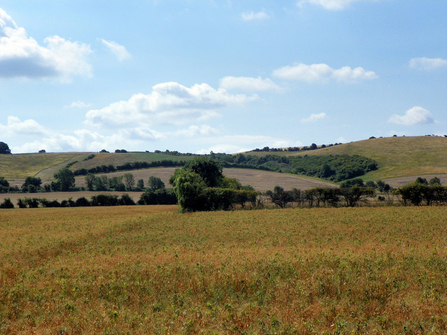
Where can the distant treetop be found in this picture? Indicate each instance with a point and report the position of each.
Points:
(4, 148)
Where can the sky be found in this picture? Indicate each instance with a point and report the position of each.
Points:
(219, 75)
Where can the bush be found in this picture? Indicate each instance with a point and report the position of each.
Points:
(126, 200)
(158, 197)
(104, 200)
(7, 203)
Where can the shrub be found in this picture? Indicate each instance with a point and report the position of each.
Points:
(7, 203)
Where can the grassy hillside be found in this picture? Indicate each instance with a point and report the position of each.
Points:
(24, 165)
(397, 156)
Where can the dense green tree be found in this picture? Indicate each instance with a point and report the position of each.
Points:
(189, 189)
(155, 183)
(35, 182)
(209, 170)
(66, 179)
(4, 149)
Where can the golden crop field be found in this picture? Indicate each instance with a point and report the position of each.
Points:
(151, 270)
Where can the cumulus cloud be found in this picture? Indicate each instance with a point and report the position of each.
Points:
(22, 56)
(329, 4)
(78, 104)
(119, 51)
(250, 16)
(314, 118)
(248, 84)
(424, 63)
(168, 103)
(323, 73)
(15, 127)
(192, 131)
(413, 116)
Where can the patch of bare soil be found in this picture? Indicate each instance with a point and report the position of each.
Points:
(401, 181)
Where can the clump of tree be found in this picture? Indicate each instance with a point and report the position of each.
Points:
(431, 192)
(201, 186)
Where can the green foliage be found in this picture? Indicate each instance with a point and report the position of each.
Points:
(201, 186)
(7, 203)
(209, 170)
(126, 200)
(354, 194)
(155, 183)
(158, 197)
(66, 179)
(188, 188)
(129, 181)
(104, 200)
(434, 181)
(280, 197)
(4, 149)
(36, 182)
(4, 182)
(353, 182)
(334, 168)
(415, 193)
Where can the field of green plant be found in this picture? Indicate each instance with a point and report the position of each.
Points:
(151, 270)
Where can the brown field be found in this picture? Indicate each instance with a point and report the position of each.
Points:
(151, 270)
(260, 180)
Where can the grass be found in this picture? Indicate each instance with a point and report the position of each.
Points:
(150, 270)
(29, 165)
(397, 156)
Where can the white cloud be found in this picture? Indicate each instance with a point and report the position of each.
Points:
(424, 63)
(250, 16)
(329, 4)
(22, 56)
(168, 103)
(14, 127)
(119, 51)
(413, 116)
(78, 104)
(203, 130)
(323, 73)
(314, 117)
(248, 84)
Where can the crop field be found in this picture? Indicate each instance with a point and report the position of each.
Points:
(151, 270)
(260, 180)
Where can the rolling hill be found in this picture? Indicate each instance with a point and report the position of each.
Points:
(397, 157)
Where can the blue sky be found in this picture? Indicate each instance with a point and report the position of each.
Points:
(224, 76)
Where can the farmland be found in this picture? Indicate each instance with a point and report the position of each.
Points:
(151, 270)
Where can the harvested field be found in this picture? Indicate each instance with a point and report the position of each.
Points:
(260, 180)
